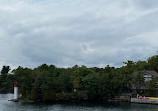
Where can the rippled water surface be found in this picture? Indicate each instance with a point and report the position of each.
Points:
(6, 105)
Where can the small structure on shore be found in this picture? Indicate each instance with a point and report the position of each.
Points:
(16, 97)
(16, 91)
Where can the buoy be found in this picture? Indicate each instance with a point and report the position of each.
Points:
(16, 91)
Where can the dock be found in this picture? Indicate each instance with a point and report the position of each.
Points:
(14, 100)
(144, 101)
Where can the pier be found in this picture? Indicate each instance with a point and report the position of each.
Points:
(144, 101)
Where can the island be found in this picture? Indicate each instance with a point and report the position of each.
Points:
(48, 83)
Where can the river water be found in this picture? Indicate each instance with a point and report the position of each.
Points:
(6, 105)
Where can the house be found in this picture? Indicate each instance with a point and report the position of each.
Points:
(147, 74)
(140, 80)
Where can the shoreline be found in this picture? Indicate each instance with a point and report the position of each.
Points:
(73, 100)
(132, 101)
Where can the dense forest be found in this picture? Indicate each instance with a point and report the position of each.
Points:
(49, 83)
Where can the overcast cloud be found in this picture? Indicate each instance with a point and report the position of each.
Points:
(84, 32)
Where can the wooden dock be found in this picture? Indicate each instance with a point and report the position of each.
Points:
(143, 101)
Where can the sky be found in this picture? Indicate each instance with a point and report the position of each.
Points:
(93, 33)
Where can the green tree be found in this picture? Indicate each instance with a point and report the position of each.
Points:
(151, 87)
(139, 81)
(5, 70)
(153, 63)
(91, 84)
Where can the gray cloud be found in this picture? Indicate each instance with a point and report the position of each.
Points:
(83, 32)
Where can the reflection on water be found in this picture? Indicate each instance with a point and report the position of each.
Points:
(6, 105)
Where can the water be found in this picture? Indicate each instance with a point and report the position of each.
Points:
(6, 105)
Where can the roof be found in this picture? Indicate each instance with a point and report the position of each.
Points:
(151, 72)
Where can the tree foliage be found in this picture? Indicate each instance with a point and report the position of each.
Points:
(49, 83)
(5, 69)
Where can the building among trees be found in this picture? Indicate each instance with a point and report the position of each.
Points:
(144, 82)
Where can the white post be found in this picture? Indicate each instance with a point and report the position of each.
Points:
(137, 95)
(16, 91)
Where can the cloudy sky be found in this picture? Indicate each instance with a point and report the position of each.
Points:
(83, 32)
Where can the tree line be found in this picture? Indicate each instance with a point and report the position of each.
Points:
(49, 83)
